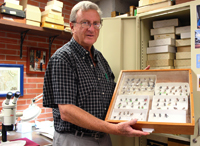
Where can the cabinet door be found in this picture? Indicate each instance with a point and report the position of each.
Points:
(117, 43)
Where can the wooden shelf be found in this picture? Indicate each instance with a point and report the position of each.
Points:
(33, 30)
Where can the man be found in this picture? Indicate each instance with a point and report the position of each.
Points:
(79, 84)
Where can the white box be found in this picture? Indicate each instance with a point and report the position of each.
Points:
(55, 2)
(162, 42)
(163, 30)
(186, 35)
(165, 23)
(24, 127)
(53, 7)
(183, 42)
(180, 30)
(161, 49)
(164, 36)
(16, 2)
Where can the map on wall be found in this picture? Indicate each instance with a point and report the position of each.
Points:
(9, 80)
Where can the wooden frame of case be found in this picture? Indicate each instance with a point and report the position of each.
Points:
(165, 75)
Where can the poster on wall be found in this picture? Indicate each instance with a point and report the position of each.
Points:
(197, 39)
(198, 60)
(198, 16)
(11, 79)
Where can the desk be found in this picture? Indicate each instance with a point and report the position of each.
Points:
(34, 136)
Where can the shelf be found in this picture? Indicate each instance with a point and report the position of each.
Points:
(33, 30)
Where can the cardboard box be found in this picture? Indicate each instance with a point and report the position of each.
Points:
(165, 23)
(182, 62)
(182, 67)
(183, 55)
(183, 42)
(14, 6)
(162, 62)
(11, 11)
(182, 29)
(50, 15)
(34, 23)
(55, 2)
(12, 1)
(174, 76)
(163, 30)
(164, 36)
(52, 20)
(52, 26)
(59, 14)
(161, 49)
(53, 7)
(182, 1)
(148, 2)
(162, 42)
(155, 6)
(12, 18)
(160, 56)
(186, 35)
(33, 13)
(162, 67)
(184, 49)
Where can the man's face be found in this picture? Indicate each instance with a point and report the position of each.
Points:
(86, 37)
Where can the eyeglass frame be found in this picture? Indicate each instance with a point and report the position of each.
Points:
(88, 25)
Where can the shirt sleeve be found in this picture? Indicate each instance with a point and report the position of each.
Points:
(64, 82)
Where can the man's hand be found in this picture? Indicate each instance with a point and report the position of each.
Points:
(147, 68)
(125, 129)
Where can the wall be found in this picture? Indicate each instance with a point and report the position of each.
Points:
(10, 54)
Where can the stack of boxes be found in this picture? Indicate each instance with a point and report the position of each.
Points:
(52, 16)
(149, 5)
(161, 50)
(11, 10)
(183, 55)
(33, 13)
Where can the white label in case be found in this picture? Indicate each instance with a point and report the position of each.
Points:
(13, 12)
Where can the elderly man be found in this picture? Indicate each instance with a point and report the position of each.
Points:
(79, 84)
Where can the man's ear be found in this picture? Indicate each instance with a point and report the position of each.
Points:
(71, 26)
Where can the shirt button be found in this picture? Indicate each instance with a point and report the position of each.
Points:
(105, 109)
(98, 78)
(86, 52)
(91, 65)
(102, 92)
(83, 57)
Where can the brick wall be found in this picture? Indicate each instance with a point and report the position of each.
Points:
(10, 54)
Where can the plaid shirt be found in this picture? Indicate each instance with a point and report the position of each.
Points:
(72, 78)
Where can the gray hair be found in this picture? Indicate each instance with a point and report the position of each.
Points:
(84, 6)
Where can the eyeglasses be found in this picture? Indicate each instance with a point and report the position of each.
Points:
(86, 24)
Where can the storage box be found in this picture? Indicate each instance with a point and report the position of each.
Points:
(161, 49)
(184, 49)
(163, 30)
(161, 62)
(164, 36)
(183, 42)
(185, 35)
(14, 6)
(34, 23)
(11, 11)
(183, 55)
(162, 67)
(165, 23)
(55, 2)
(53, 7)
(148, 79)
(161, 56)
(12, 18)
(162, 42)
(182, 62)
(52, 20)
(52, 26)
(33, 13)
(182, 29)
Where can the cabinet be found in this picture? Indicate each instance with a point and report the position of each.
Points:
(186, 12)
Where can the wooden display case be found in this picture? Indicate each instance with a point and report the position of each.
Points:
(135, 84)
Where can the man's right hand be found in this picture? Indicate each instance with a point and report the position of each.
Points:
(125, 128)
